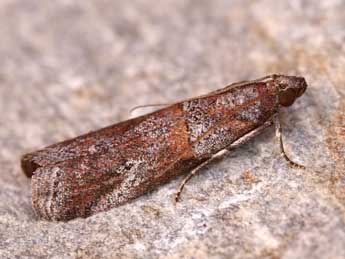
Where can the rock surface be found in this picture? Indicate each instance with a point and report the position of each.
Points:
(68, 67)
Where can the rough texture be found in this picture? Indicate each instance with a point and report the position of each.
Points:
(67, 67)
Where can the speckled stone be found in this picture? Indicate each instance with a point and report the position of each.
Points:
(68, 67)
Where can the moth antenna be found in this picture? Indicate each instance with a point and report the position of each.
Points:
(147, 105)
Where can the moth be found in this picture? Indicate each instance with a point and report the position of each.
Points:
(114, 165)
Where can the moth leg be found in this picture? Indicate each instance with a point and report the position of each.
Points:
(195, 171)
(246, 138)
(221, 153)
(282, 151)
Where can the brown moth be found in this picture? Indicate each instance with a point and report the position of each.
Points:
(111, 166)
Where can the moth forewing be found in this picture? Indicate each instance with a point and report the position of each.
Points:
(114, 165)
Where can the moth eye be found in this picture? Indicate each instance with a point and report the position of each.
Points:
(287, 97)
(301, 91)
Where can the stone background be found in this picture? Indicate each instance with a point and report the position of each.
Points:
(68, 67)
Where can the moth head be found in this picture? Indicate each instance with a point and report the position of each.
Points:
(290, 88)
